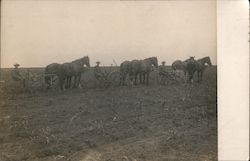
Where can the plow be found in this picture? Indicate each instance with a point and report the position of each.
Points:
(107, 78)
(30, 82)
(170, 77)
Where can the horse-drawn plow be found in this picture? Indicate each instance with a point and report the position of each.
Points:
(169, 77)
(37, 80)
(107, 78)
(31, 82)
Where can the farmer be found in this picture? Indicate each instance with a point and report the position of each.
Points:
(97, 71)
(162, 73)
(162, 68)
(16, 76)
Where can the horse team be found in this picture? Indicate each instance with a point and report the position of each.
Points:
(190, 66)
(67, 72)
(137, 68)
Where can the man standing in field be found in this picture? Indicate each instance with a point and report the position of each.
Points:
(16, 76)
(162, 68)
(162, 73)
(97, 72)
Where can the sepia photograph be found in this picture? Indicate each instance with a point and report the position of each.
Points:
(108, 80)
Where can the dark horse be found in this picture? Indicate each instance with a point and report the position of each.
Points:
(73, 69)
(51, 71)
(188, 67)
(201, 65)
(177, 65)
(143, 69)
(66, 71)
(125, 69)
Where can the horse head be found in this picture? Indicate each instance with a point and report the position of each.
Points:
(153, 61)
(205, 60)
(85, 61)
(208, 61)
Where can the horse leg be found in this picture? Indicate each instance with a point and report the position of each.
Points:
(143, 79)
(198, 76)
(61, 82)
(64, 83)
(70, 81)
(79, 80)
(67, 82)
(75, 81)
(131, 78)
(140, 78)
(192, 77)
(201, 76)
(136, 79)
(189, 76)
(147, 78)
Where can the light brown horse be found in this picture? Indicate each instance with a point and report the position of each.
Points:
(143, 69)
(73, 69)
(78, 70)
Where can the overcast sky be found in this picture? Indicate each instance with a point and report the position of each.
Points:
(37, 33)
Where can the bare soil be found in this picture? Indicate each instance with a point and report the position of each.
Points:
(175, 122)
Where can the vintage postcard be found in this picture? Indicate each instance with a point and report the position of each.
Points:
(112, 80)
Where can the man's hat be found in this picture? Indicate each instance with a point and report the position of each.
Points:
(163, 62)
(16, 65)
(97, 62)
